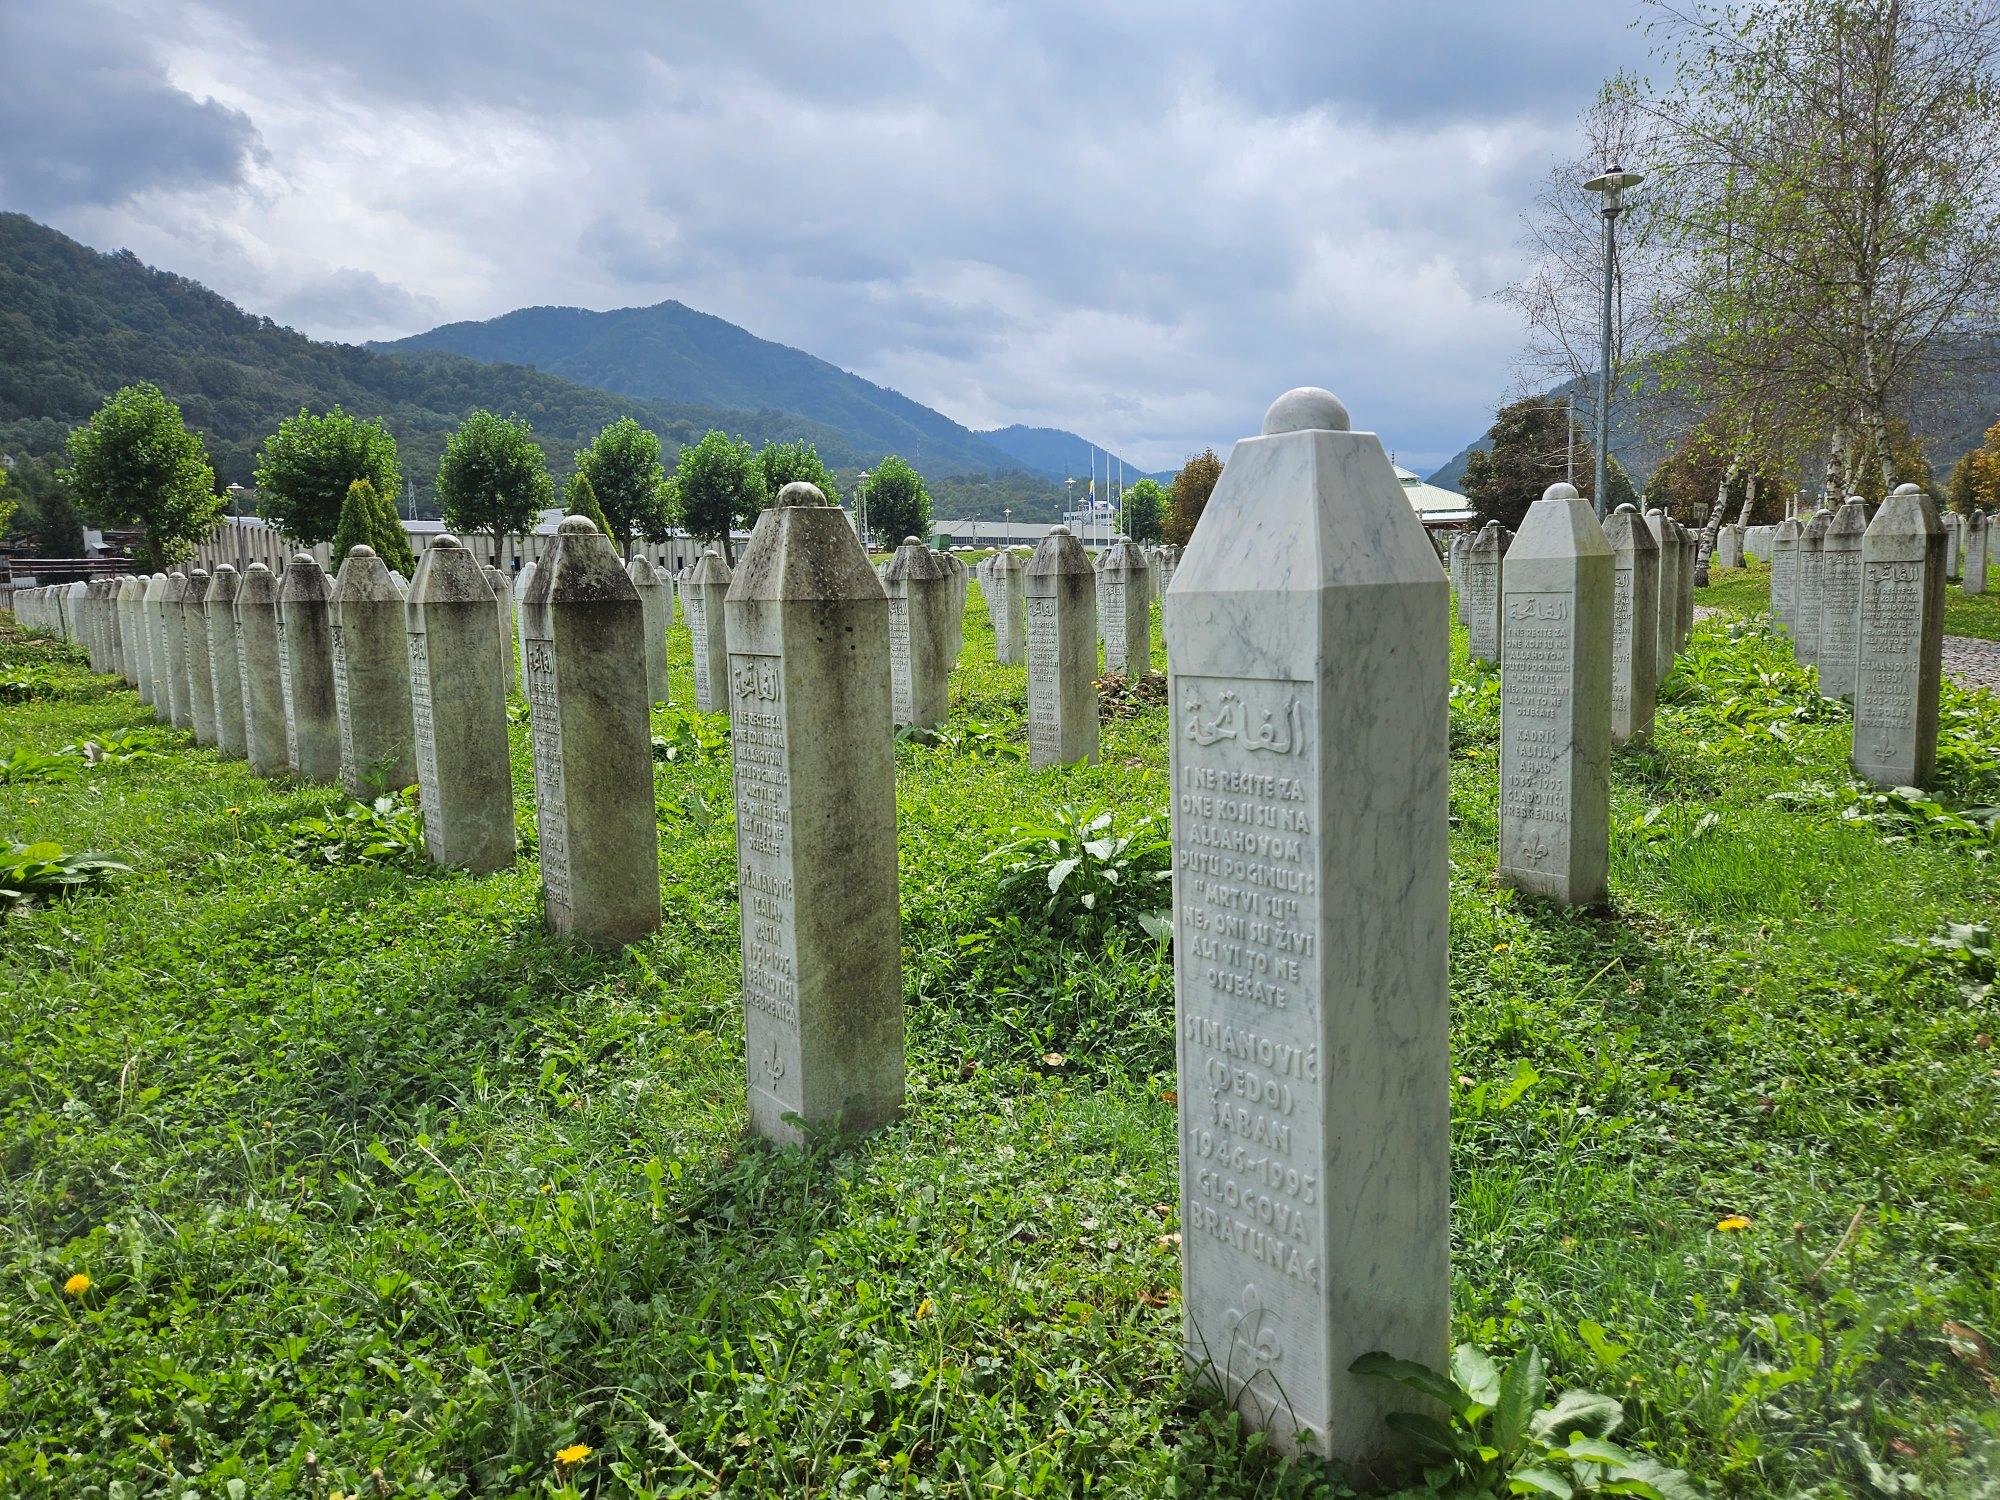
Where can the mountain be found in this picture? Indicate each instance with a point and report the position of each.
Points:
(673, 353)
(1057, 454)
(75, 325)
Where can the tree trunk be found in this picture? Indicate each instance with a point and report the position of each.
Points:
(1713, 525)
(1749, 499)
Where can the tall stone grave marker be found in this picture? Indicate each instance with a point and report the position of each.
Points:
(1902, 642)
(1690, 557)
(153, 608)
(523, 581)
(371, 667)
(1812, 555)
(920, 592)
(1060, 596)
(656, 607)
(258, 655)
(1840, 599)
(132, 605)
(707, 589)
(305, 666)
(815, 776)
(1635, 586)
(1479, 598)
(459, 654)
(503, 608)
(956, 571)
(589, 724)
(1785, 572)
(1729, 547)
(1978, 543)
(1128, 622)
(1555, 703)
(194, 653)
(1668, 601)
(173, 600)
(1004, 602)
(225, 670)
(1953, 541)
(1309, 804)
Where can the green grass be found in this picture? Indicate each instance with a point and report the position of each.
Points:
(1747, 590)
(369, 1175)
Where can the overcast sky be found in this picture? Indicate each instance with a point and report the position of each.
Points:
(1139, 221)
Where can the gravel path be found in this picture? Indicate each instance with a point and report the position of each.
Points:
(1970, 661)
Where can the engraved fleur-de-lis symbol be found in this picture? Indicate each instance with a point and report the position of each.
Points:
(774, 1065)
(1252, 1345)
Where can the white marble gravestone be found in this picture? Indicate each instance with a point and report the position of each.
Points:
(1785, 571)
(1840, 599)
(305, 669)
(1122, 594)
(503, 608)
(1729, 547)
(194, 655)
(132, 604)
(656, 603)
(257, 655)
(458, 658)
(920, 601)
(1690, 556)
(1668, 598)
(173, 601)
(153, 611)
(1978, 545)
(590, 728)
(1635, 587)
(1308, 641)
(815, 781)
(1555, 703)
(1004, 598)
(1902, 642)
(225, 670)
(1479, 594)
(1805, 611)
(371, 666)
(1954, 539)
(523, 581)
(1060, 597)
(707, 588)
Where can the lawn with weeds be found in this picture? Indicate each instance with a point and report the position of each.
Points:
(327, 1172)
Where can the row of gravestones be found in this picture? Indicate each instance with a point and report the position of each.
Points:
(1967, 546)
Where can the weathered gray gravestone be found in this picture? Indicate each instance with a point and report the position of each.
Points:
(1059, 598)
(1785, 572)
(1953, 541)
(132, 604)
(173, 599)
(1635, 586)
(815, 778)
(371, 665)
(1729, 547)
(588, 722)
(1902, 642)
(153, 609)
(1480, 595)
(656, 606)
(194, 655)
(305, 668)
(1004, 602)
(1555, 704)
(257, 649)
(1805, 620)
(522, 582)
(459, 655)
(1455, 566)
(1690, 556)
(707, 589)
(1668, 601)
(1128, 622)
(503, 608)
(1840, 599)
(225, 670)
(1978, 542)
(1309, 749)
(920, 592)
(955, 570)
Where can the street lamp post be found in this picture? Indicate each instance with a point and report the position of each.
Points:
(1612, 183)
(861, 508)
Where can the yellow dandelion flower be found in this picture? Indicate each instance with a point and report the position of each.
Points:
(573, 1455)
(1499, 947)
(924, 1308)
(77, 1285)
(1732, 1223)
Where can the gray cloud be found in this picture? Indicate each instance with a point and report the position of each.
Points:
(1138, 221)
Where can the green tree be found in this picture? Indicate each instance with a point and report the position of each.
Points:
(628, 481)
(898, 503)
(307, 465)
(794, 462)
(369, 519)
(493, 477)
(1146, 507)
(580, 499)
(717, 484)
(1192, 487)
(135, 464)
(1531, 449)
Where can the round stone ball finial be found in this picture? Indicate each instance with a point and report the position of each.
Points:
(361, 549)
(910, 541)
(800, 492)
(710, 552)
(1306, 408)
(1561, 490)
(446, 539)
(1908, 489)
(1059, 531)
(305, 557)
(1627, 508)
(576, 526)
